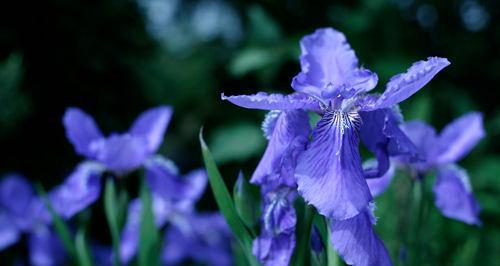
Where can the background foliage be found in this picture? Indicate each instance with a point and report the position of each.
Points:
(115, 58)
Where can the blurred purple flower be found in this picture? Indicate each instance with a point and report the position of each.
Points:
(452, 189)
(200, 237)
(23, 212)
(173, 196)
(119, 153)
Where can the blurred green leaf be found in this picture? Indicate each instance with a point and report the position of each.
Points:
(112, 208)
(14, 104)
(246, 204)
(82, 249)
(237, 142)
(418, 108)
(225, 203)
(262, 27)
(324, 230)
(251, 59)
(149, 241)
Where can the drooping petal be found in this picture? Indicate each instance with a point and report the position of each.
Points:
(9, 233)
(17, 198)
(288, 126)
(204, 238)
(458, 138)
(404, 85)
(380, 184)
(276, 242)
(357, 243)
(151, 125)
(45, 248)
(79, 190)
(163, 179)
(274, 101)
(81, 131)
(329, 173)
(454, 197)
(330, 67)
(122, 153)
(382, 136)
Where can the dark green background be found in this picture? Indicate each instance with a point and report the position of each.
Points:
(101, 55)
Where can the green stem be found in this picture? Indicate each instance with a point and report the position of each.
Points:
(111, 210)
(304, 236)
(419, 195)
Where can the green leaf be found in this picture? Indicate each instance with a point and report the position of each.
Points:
(82, 249)
(246, 204)
(111, 208)
(305, 215)
(225, 203)
(60, 226)
(149, 241)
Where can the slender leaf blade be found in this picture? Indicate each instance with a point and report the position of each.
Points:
(82, 249)
(225, 203)
(149, 245)
(111, 209)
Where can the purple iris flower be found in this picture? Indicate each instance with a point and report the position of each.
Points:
(201, 237)
(329, 172)
(117, 153)
(287, 132)
(332, 84)
(452, 189)
(23, 212)
(173, 196)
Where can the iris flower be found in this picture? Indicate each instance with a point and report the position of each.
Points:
(118, 154)
(329, 172)
(440, 152)
(287, 132)
(23, 212)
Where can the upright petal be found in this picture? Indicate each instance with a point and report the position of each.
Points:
(329, 173)
(454, 197)
(122, 153)
(81, 131)
(381, 134)
(275, 101)
(45, 248)
(404, 85)
(274, 250)
(79, 190)
(151, 125)
(288, 126)
(380, 184)
(9, 233)
(357, 243)
(458, 138)
(330, 67)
